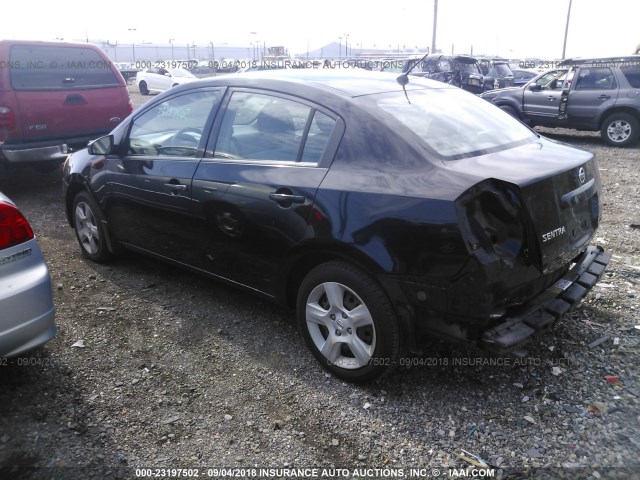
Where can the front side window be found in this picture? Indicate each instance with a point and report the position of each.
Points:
(173, 127)
(256, 126)
(452, 123)
(550, 77)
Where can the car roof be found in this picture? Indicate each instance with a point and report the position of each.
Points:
(579, 61)
(351, 82)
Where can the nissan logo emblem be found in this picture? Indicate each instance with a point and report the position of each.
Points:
(581, 175)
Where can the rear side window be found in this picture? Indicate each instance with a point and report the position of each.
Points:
(596, 79)
(258, 126)
(632, 74)
(38, 67)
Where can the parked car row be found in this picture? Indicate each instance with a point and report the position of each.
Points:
(474, 74)
(444, 217)
(598, 94)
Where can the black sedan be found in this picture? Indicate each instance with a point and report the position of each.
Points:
(380, 210)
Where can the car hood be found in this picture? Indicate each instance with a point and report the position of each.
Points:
(498, 91)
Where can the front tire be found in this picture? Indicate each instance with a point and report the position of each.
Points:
(348, 322)
(90, 229)
(620, 129)
(144, 90)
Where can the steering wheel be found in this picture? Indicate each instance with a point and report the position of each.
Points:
(188, 134)
(226, 156)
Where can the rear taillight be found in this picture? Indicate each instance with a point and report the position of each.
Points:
(494, 223)
(14, 228)
(129, 107)
(7, 118)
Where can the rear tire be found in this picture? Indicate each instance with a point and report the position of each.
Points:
(348, 322)
(144, 90)
(620, 129)
(90, 229)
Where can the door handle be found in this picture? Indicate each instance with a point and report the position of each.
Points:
(286, 198)
(604, 97)
(176, 187)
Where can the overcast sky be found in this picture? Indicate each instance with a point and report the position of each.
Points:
(509, 28)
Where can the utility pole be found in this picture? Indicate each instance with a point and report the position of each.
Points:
(566, 31)
(435, 26)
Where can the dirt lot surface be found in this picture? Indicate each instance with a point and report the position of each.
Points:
(176, 371)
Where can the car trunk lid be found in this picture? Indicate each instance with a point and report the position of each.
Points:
(558, 185)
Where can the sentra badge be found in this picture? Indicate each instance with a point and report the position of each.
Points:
(553, 234)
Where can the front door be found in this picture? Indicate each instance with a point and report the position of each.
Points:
(541, 100)
(147, 190)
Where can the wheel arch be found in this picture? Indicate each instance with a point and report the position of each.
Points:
(507, 103)
(75, 186)
(309, 257)
(618, 109)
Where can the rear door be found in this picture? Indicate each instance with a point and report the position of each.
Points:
(65, 91)
(594, 91)
(254, 193)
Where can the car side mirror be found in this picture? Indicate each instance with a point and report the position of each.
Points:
(167, 74)
(101, 146)
(535, 88)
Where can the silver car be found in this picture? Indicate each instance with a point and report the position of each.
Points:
(26, 302)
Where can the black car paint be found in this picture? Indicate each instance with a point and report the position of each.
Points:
(377, 199)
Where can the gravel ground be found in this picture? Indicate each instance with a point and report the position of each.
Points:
(176, 371)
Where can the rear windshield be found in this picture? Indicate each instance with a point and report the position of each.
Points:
(453, 123)
(632, 74)
(58, 68)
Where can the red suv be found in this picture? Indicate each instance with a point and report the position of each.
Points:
(55, 97)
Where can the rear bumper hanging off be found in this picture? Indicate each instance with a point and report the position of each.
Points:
(545, 309)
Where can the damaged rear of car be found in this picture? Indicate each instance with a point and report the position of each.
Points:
(511, 216)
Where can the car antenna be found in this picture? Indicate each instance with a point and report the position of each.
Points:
(403, 78)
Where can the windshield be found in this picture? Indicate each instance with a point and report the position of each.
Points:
(453, 123)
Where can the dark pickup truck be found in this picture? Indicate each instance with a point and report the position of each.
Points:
(585, 94)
